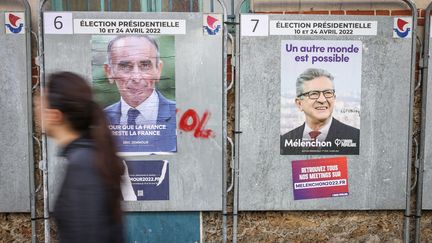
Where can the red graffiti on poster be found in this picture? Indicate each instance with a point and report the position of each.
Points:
(190, 121)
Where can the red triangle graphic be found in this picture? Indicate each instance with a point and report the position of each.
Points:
(13, 19)
(211, 21)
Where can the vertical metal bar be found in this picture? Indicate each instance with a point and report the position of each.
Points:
(44, 137)
(233, 64)
(410, 123)
(109, 5)
(231, 159)
(68, 8)
(212, 6)
(144, 6)
(29, 121)
(237, 125)
(224, 121)
(190, 5)
(102, 5)
(88, 5)
(424, 71)
(200, 5)
(129, 5)
(224, 125)
(158, 4)
(419, 199)
(170, 5)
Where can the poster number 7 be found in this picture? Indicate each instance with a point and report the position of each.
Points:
(254, 25)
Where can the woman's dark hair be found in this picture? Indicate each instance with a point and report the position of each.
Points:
(71, 94)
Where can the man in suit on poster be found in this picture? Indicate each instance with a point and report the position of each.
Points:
(321, 133)
(135, 67)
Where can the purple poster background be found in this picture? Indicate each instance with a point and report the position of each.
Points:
(320, 178)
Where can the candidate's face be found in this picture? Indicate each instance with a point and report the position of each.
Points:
(317, 111)
(134, 68)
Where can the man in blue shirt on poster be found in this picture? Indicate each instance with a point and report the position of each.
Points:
(143, 121)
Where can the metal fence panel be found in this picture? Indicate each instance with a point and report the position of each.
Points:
(376, 176)
(427, 112)
(196, 168)
(14, 98)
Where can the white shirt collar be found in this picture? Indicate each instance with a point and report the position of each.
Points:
(324, 131)
(148, 110)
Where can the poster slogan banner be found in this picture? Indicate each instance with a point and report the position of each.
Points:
(130, 26)
(320, 97)
(65, 23)
(323, 27)
(320, 178)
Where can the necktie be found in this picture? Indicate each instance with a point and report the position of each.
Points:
(132, 115)
(314, 134)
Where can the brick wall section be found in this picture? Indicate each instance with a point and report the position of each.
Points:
(34, 72)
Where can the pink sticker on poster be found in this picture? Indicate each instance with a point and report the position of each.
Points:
(319, 178)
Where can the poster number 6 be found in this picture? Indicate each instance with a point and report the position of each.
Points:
(58, 23)
(254, 25)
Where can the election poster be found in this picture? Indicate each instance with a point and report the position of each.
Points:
(134, 81)
(149, 180)
(320, 178)
(320, 97)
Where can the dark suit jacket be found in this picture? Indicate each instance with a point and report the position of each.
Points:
(339, 135)
(82, 210)
(165, 142)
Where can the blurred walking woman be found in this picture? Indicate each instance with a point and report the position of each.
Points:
(88, 205)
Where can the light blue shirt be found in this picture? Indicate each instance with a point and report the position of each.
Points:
(148, 110)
